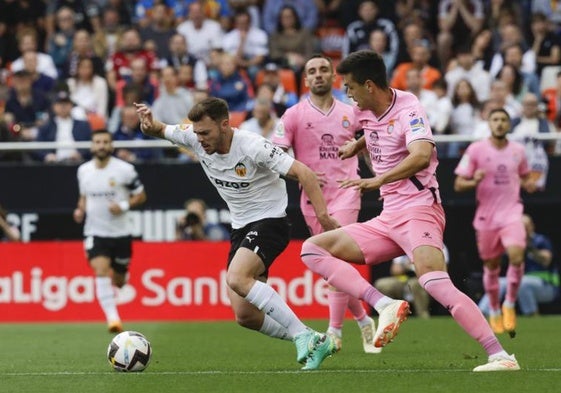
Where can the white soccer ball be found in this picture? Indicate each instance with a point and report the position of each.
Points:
(129, 351)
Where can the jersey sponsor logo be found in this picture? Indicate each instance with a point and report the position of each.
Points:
(273, 149)
(346, 123)
(230, 184)
(240, 169)
(417, 125)
(328, 150)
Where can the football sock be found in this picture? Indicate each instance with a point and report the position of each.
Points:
(274, 329)
(463, 309)
(336, 272)
(513, 277)
(356, 308)
(106, 298)
(267, 300)
(337, 307)
(491, 286)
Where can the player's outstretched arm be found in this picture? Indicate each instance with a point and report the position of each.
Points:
(310, 184)
(462, 183)
(149, 125)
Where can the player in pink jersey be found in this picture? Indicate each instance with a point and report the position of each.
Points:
(400, 143)
(315, 128)
(497, 168)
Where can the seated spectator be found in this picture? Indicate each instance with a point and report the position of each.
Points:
(307, 11)
(511, 35)
(500, 94)
(513, 55)
(27, 41)
(441, 114)
(194, 225)
(463, 115)
(248, 45)
(129, 130)
(89, 91)
(41, 82)
(513, 82)
(378, 42)
(8, 232)
(60, 43)
(540, 283)
(179, 56)
(26, 108)
(546, 45)
(420, 55)
(82, 47)
(466, 67)
(106, 40)
(158, 31)
(140, 77)
(231, 85)
(284, 88)
(174, 102)
(263, 119)
(131, 94)
(63, 128)
(290, 44)
(403, 284)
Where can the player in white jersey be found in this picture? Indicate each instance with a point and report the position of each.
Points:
(314, 128)
(245, 168)
(109, 187)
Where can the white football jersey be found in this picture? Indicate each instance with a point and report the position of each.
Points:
(247, 177)
(116, 182)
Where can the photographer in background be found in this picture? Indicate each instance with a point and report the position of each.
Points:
(8, 232)
(194, 226)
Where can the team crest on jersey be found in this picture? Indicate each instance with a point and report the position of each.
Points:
(240, 169)
(417, 125)
(346, 123)
(112, 182)
(390, 126)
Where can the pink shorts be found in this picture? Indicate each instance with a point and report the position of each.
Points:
(492, 244)
(344, 217)
(396, 233)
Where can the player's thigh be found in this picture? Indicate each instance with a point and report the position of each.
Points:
(428, 259)
(489, 245)
(513, 238)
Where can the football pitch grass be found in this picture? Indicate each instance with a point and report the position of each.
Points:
(427, 356)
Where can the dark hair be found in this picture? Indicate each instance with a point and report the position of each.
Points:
(500, 110)
(517, 83)
(365, 65)
(215, 108)
(102, 131)
(297, 21)
(319, 56)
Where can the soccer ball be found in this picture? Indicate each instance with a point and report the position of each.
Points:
(129, 351)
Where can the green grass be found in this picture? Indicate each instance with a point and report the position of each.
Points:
(428, 356)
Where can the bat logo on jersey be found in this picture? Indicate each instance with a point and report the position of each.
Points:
(327, 149)
(112, 182)
(417, 125)
(240, 169)
(346, 123)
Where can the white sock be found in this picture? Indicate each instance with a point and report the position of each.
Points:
(274, 329)
(335, 331)
(364, 321)
(106, 298)
(267, 300)
(383, 303)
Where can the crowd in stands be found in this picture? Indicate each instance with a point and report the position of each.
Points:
(70, 67)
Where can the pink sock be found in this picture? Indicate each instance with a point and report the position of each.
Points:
(338, 273)
(462, 308)
(491, 286)
(337, 307)
(513, 277)
(357, 308)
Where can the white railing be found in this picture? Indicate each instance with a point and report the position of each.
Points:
(146, 144)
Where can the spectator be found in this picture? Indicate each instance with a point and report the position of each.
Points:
(89, 91)
(552, 97)
(358, 32)
(482, 49)
(502, 97)
(420, 56)
(201, 33)
(513, 82)
(511, 35)
(41, 82)
(404, 284)
(514, 55)
(26, 108)
(174, 101)
(440, 116)
(145, 8)
(378, 42)
(139, 76)
(27, 41)
(249, 45)
(129, 130)
(459, 21)
(158, 31)
(283, 97)
(60, 42)
(264, 119)
(467, 68)
(63, 128)
(82, 49)
(86, 15)
(179, 56)
(545, 44)
(106, 40)
(427, 98)
(131, 94)
(307, 10)
(231, 86)
(290, 44)
(540, 283)
(195, 226)
(8, 232)
(463, 116)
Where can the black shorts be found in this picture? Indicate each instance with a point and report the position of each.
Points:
(267, 238)
(118, 249)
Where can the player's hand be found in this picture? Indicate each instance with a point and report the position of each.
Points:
(115, 209)
(78, 215)
(328, 223)
(145, 115)
(348, 149)
(322, 178)
(478, 175)
(363, 185)
(530, 186)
